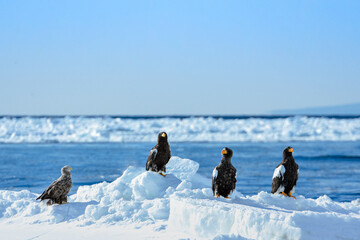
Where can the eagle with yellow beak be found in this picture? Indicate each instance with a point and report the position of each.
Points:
(159, 155)
(57, 191)
(224, 175)
(286, 174)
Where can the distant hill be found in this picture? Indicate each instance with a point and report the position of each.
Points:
(346, 109)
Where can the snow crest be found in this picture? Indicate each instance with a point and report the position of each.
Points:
(188, 129)
(183, 202)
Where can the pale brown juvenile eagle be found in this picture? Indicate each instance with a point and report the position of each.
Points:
(57, 192)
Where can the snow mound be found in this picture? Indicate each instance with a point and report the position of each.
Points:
(151, 185)
(183, 202)
(182, 168)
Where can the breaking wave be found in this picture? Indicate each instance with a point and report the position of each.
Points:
(180, 129)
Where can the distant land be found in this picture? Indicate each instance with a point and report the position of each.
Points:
(345, 109)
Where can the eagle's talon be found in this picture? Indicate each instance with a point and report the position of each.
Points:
(284, 194)
(162, 174)
(287, 195)
(290, 195)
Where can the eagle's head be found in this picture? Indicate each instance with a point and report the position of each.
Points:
(162, 137)
(66, 170)
(288, 152)
(227, 152)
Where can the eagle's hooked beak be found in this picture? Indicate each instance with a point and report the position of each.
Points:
(224, 151)
(291, 150)
(163, 134)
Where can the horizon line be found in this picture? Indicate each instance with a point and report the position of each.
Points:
(155, 116)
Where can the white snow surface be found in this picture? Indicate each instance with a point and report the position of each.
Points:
(192, 129)
(145, 205)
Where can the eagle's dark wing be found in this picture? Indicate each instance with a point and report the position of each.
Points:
(233, 175)
(151, 158)
(278, 177)
(165, 159)
(45, 194)
(214, 178)
(59, 188)
(297, 174)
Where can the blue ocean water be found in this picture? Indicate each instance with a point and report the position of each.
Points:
(326, 167)
(100, 148)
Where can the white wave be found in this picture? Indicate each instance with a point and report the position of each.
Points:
(195, 129)
(182, 205)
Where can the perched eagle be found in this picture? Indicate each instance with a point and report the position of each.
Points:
(286, 174)
(159, 155)
(57, 192)
(224, 175)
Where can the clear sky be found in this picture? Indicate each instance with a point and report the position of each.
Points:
(177, 57)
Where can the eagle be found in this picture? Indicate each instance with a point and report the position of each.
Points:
(57, 192)
(286, 174)
(224, 175)
(159, 155)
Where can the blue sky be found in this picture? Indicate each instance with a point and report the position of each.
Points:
(177, 57)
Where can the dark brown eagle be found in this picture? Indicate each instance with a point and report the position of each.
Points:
(224, 175)
(159, 155)
(57, 192)
(286, 174)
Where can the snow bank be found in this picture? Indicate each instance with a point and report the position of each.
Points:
(182, 202)
(183, 169)
(136, 196)
(264, 216)
(192, 129)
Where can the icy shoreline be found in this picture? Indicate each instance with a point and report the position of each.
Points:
(146, 205)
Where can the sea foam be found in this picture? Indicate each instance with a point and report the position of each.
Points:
(189, 129)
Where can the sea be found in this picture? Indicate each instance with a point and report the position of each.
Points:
(100, 148)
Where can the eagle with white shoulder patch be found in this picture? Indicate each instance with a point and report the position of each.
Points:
(286, 174)
(224, 175)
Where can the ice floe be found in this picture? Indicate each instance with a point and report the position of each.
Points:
(182, 203)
